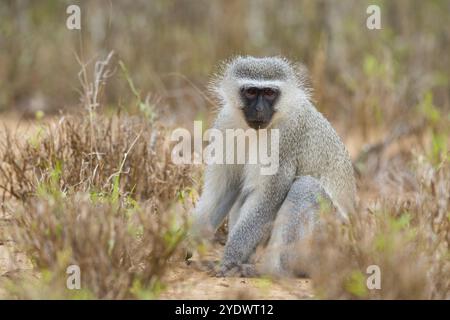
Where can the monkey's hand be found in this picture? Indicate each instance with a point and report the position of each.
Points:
(256, 218)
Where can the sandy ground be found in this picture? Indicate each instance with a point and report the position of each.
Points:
(12, 263)
(188, 282)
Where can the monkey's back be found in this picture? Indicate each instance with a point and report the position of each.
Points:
(320, 153)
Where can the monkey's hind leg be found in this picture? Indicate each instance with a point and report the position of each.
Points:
(295, 222)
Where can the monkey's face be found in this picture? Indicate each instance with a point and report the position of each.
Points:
(259, 105)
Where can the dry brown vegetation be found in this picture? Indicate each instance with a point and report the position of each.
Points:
(95, 199)
(98, 192)
(72, 155)
(95, 186)
(407, 236)
(122, 252)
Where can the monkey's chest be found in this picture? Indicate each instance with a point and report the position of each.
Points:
(252, 178)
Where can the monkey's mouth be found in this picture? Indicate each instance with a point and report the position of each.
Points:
(258, 124)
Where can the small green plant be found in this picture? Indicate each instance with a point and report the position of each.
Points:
(438, 125)
(144, 106)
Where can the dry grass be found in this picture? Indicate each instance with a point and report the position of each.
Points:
(122, 152)
(95, 191)
(121, 252)
(94, 152)
(101, 200)
(407, 236)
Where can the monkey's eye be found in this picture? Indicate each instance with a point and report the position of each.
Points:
(269, 93)
(251, 92)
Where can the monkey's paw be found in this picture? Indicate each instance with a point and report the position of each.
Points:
(245, 270)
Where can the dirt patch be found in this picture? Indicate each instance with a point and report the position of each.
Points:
(187, 283)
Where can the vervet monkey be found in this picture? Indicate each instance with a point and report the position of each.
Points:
(314, 166)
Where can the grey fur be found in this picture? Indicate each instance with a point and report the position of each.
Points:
(296, 219)
(261, 69)
(313, 164)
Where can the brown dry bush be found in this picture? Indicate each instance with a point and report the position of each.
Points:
(93, 152)
(408, 238)
(121, 253)
(97, 191)
(124, 151)
(76, 205)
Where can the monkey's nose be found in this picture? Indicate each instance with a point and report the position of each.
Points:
(259, 108)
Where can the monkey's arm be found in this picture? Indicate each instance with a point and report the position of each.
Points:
(219, 194)
(257, 215)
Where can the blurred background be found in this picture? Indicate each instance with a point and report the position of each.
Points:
(168, 45)
(368, 82)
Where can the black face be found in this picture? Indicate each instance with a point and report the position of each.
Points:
(259, 105)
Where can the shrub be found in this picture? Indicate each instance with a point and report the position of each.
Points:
(407, 236)
(121, 252)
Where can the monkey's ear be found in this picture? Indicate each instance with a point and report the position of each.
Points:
(302, 74)
(303, 78)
